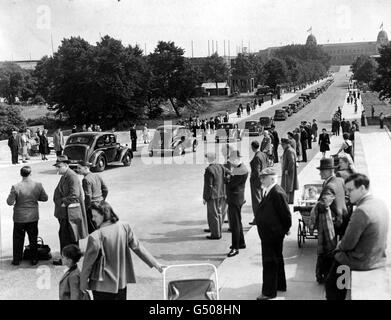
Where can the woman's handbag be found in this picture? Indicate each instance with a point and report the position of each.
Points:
(97, 272)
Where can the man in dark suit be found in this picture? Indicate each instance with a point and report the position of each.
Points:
(257, 164)
(338, 207)
(236, 182)
(133, 137)
(289, 179)
(13, 145)
(273, 222)
(68, 196)
(303, 142)
(213, 195)
(275, 142)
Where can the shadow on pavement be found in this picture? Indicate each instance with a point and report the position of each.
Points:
(191, 257)
(187, 222)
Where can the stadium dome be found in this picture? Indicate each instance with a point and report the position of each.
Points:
(311, 40)
(382, 38)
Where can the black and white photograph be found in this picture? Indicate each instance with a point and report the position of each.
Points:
(195, 150)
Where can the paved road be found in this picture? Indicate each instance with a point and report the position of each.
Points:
(162, 201)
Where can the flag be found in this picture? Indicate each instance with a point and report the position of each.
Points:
(381, 26)
(309, 30)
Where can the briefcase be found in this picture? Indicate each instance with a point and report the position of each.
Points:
(43, 251)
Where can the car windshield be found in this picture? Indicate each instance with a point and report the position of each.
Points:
(264, 120)
(280, 111)
(251, 123)
(80, 140)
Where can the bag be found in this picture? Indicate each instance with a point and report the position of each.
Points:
(43, 251)
(97, 272)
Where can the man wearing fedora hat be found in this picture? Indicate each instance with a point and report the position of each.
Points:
(69, 206)
(273, 220)
(338, 207)
(289, 179)
(236, 182)
(95, 190)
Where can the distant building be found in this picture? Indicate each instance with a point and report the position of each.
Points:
(27, 64)
(341, 53)
(210, 88)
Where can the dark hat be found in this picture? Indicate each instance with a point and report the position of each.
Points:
(272, 126)
(284, 141)
(327, 163)
(61, 159)
(269, 172)
(84, 163)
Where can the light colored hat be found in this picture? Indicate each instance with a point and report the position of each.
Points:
(269, 172)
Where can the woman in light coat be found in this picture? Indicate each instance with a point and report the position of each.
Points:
(113, 240)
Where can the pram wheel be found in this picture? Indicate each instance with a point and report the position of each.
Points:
(299, 235)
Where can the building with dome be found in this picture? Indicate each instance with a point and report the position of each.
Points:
(342, 53)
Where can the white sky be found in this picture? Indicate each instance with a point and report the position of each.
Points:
(27, 25)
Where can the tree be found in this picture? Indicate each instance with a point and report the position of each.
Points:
(276, 72)
(215, 69)
(10, 119)
(173, 78)
(382, 83)
(15, 82)
(364, 69)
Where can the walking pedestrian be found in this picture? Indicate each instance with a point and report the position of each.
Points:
(21, 139)
(145, 134)
(236, 182)
(303, 142)
(214, 192)
(95, 190)
(58, 142)
(275, 142)
(69, 206)
(363, 247)
(248, 109)
(314, 129)
(24, 196)
(112, 240)
(381, 120)
(257, 164)
(13, 145)
(44, 149)
(289, 178)
(296, 135)
(133, 137)
(238, 112)
(273, 223)
(324, 142)
(372, 111)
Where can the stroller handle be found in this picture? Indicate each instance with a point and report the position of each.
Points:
(190, 265)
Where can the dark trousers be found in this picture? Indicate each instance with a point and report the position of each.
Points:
(273, 267)
(256, 194)
(215, 217)
(275, 153)
(323, 266)
(309, 141)
(14, 155)
(332, 291)
(304, 153)
(291, 197)
(381, 124)
(134, 145)
(235, 219)
(58, 153)
(18, 239)
(66, 234)
(120, 295)
(90, 223)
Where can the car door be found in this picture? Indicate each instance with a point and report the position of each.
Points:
(111, 147)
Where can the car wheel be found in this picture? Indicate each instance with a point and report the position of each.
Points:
(100, 164)
(195, 145)
(127, 159)
(151, 153)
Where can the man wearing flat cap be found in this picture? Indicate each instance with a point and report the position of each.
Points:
(213, 195)
(289, 179)
(69, 206)
(13, 145)
(273, 223)
(236, 182)
(95, 190)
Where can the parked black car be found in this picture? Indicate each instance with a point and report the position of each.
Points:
(266, 122)
(99, 148)
(253, 128)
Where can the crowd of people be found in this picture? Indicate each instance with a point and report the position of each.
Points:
(82, 212)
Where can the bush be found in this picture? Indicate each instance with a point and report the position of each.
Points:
(10, 119)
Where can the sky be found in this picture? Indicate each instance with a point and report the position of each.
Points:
(27, 26)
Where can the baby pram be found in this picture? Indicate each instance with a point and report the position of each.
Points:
(191, 289)
(304, 207)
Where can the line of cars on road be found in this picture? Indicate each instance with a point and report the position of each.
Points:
(297, 105)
